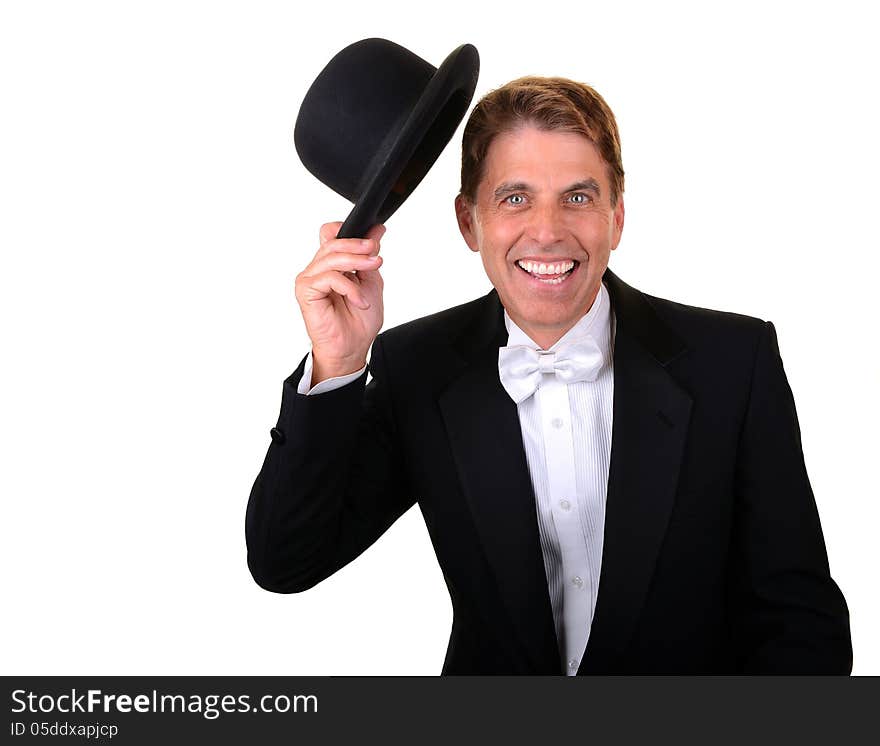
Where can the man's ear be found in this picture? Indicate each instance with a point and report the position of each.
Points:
(465, 217)
(617, 216)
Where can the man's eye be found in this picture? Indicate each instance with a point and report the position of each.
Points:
(516, 199)
(580, 198)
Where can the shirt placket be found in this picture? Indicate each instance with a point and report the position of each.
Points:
(556, 428)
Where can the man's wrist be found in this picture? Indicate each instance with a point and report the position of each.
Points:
(322, 368)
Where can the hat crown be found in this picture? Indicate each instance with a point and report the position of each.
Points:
(376, 119)
(354, 110)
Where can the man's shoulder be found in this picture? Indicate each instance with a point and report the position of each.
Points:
(714, 339)
(670, 326)
(702, 319)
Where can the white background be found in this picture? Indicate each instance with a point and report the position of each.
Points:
(153, 216)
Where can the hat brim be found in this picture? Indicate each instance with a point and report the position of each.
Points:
(395, 172)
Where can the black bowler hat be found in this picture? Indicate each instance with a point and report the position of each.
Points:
(375, 120)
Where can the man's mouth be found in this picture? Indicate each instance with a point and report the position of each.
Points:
(550, 273)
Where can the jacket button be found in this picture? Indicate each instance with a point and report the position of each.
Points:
(277, 435)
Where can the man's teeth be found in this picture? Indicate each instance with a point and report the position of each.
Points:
(539, 268)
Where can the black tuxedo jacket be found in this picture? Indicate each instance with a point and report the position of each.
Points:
(713, 558)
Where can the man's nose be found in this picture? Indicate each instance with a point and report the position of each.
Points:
(545, 225)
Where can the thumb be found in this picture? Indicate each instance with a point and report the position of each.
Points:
(376, 232)
(328, 231)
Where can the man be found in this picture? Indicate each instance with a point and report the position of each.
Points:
(612, 482)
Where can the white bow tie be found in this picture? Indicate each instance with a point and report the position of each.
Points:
(522, 368)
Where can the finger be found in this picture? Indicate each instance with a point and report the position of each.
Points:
(376, 232)
(365, 246)
(339, 262)
(371, 283)
(318, 287)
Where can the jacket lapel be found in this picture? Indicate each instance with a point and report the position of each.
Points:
(649, 430)
(650, 420)
(484, 432)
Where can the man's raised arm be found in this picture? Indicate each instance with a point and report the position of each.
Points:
(331, 483)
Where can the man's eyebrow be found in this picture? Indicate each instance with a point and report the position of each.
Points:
(586, 185)
(509, 187)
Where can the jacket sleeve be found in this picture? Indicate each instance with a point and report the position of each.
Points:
(331, 483)
(788, 615)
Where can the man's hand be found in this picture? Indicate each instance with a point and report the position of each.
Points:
(342, 311)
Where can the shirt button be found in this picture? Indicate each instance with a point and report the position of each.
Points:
(577, 581)
(565, 504)
(557, 422)
(572, 664)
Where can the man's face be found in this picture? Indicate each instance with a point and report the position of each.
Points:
(544, 226)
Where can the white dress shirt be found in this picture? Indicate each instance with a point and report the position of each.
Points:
(566, 431)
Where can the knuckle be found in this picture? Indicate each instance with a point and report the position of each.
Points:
(332, 246)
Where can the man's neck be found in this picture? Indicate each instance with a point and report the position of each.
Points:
(546, 337)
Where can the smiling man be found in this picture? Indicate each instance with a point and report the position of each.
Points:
(545, 219)
(612, 482)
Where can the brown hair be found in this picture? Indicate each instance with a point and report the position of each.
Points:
(550, 104)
